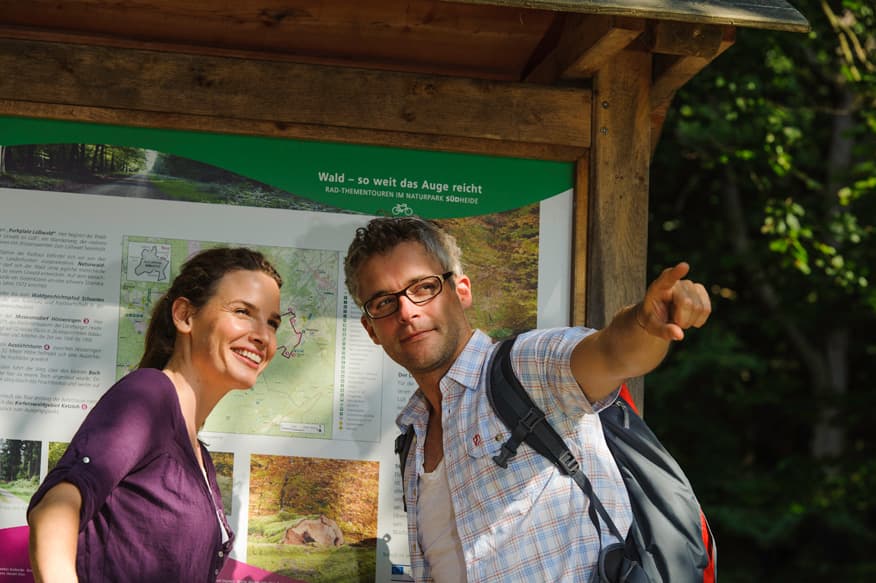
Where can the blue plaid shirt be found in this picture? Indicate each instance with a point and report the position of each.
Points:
(527, 522)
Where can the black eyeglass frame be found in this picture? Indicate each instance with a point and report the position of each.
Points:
(404, 292)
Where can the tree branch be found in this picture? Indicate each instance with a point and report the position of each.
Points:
(764, 290)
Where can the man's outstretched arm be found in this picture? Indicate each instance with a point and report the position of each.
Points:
(638, 337)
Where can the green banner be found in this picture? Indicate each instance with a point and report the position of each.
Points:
(369, 179)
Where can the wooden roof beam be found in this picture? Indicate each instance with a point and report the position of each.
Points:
(585, 44)
(403, 35)
(687, 49)
(176, 90)
(689, 39)
(766, 14)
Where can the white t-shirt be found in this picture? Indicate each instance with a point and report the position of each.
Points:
(436, 526)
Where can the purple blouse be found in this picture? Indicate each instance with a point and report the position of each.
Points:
(147, 514)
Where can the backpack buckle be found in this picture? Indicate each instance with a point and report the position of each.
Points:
(533, 417)
(506, 454)
(569, 463)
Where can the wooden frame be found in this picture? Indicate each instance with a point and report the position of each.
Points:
(585, 82)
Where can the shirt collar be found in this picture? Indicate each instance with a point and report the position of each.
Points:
(466, 371)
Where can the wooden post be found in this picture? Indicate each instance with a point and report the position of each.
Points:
(620, 157)
(581, 211)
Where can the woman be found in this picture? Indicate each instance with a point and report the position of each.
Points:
(134, 497)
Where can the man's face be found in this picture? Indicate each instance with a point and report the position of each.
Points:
(423, 338)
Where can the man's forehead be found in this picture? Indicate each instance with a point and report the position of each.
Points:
(405, 263)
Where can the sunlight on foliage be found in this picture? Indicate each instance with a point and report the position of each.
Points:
(765, 180)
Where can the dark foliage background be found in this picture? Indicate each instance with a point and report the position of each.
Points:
(765, 181)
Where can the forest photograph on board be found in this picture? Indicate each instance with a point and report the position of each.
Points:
(114, 170)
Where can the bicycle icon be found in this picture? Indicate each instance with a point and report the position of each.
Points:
(402, 208)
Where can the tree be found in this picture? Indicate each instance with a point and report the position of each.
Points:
(19, 460)
(765, 179)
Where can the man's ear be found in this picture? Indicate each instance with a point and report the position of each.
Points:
(463, 290)
(182, 311)
(369, 327)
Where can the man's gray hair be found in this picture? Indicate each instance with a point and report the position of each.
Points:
(381, 235)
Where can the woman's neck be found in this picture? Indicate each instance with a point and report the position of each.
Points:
(195, 400)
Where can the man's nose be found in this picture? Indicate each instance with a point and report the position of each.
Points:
(407, 308)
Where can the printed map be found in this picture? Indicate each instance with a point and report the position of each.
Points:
(294, 396)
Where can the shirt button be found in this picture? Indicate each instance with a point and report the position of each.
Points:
(221, 554)
(86, 460)
(216, 572)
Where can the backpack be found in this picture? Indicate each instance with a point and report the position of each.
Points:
(669, 539)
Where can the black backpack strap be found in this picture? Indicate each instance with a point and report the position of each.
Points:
(527, 424)
(402, 447)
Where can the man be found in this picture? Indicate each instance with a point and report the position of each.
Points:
(468, 519)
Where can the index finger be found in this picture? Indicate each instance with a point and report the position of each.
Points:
(671, 275)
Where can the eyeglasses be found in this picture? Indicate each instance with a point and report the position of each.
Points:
(419, 292)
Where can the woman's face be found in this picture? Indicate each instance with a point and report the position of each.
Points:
(234, 335)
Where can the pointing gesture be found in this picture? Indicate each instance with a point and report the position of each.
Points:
(672, 304)
(620, 351)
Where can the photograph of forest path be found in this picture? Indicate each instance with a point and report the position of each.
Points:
(137, 173)
(19, 472)
(312, 519)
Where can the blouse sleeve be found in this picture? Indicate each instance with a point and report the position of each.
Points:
(123, 431)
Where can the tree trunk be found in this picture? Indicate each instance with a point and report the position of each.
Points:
(827, 368)
(827, 362)
(829, 435)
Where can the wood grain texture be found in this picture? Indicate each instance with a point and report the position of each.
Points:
(581, 210)
(671, 73)
(292, 93)
(686, 39)
(224, 125)
(619, 182)
(584, 45)
(405, 35)
(766, 14)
